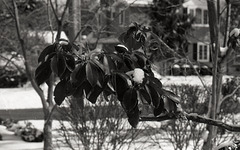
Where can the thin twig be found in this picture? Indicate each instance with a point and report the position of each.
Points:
(28, 70)
(10, 61)
(54, 12)
(8, 8)
(231, 94)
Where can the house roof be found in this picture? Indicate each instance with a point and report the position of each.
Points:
(139, 2)
(195, 4)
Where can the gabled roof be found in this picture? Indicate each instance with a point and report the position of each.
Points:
(195, 4)
(139, 2)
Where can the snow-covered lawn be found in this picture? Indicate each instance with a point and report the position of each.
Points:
(26, 97)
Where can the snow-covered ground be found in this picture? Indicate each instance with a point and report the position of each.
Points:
(26, 97)
(13, 142)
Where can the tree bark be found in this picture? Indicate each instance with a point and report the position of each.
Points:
(47, 130)
(217, 76)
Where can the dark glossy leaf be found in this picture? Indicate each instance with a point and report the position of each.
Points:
(154, 95)
(70, 62)
(160, 109)
(138, 35)
(129, 63)
(106, 64)
(140, 60)
(79, 74)
(129, 101)
(145, 96)
(94, 93)
(156, 81)
(99, 74)
(133, 117)
(69, 88)
(120, 84)
(47, 51)
(58, 64)
(132, 27)
(43, 72)
(61, 64)
(87, 87)
(121, 48)
(78, 93)
(60, 92)
(91, 74)
(66, 75)
(67, 47)
(54, 65)
(156, 84)
(115, 57)
(108, 89)
(171, 96)
(122, 37)
(169, 105)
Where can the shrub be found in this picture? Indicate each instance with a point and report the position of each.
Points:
(182, 133)
(231, 105)
(11, 78)
(103, 126)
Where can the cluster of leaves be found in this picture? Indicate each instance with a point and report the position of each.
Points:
(234, 38)
(125, 72)
(171, 25)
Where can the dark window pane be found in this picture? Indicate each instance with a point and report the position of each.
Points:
(205, 17)
(198, 16)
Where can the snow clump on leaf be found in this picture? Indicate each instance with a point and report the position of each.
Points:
(235, 32)
(138, 75)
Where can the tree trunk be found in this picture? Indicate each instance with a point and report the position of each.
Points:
(217, 78)
(47, 130)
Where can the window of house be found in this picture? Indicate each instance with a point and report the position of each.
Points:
(122, 17)
(201, 16)
(205, 17)
(198, 16)
(203, 53)
(191, 12)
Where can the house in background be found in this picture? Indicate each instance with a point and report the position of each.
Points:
(199, 39)
(113, 18)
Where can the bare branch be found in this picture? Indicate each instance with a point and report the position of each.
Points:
(65, 10)
(8, 8)
(196, 118)
(9, 60)
(231, 94)
(54, 11)
(28, 72)
(49, 20)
